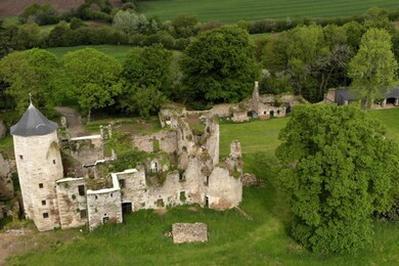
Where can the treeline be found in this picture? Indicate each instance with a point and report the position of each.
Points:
(128, 28)
(139, 86)
(308, 60)
(279, 25)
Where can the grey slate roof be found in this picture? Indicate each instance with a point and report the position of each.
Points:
(392, 93)
(343, 95)
(33, 123)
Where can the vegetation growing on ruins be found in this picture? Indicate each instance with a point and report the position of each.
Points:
(263, 238)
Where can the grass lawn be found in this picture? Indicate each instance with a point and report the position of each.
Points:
(118, 51)
(233, 239)
(235, 10)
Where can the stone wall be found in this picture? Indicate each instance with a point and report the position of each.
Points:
(39, 165)
(72, 203)
(225, 191)
(87, 150)
(105, 205)
(165, 140)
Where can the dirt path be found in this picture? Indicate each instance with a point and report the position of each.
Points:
(74, 121)
(11, 243)
(16, 242)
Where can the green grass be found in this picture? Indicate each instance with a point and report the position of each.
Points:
(126, 125)
(233, 239)
(235, 10)
(117, 51)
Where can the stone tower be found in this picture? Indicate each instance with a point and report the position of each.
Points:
(255, 98)
(39, 165)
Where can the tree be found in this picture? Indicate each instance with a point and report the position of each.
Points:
(338, 169)
(141, 100)
(378, 18)
(219, 66)
(184, 26)
(150, 67)
(40, 14)
(94, 78)
(33, 71)
(373, 70)
(130, 22)
(147, 79)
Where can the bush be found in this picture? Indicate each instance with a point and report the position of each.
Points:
(40, 14)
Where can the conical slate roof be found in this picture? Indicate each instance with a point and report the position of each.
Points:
(33, 123)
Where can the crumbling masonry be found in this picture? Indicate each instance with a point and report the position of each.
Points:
(56, 176)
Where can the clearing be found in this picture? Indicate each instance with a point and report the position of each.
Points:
(235, 10)
(233, 239)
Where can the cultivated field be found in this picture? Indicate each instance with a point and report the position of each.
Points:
(235, 10)
(233, 238)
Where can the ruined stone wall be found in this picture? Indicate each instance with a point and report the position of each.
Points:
(39, 165)
(87, 150)
(224, 191)
(165, 141)
(240, 116)
(72, 206)
(212, 143)
(137, 191)
(267, 111)
(105, 205)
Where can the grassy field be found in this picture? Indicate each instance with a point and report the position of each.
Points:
(118, 51)
(233, 239)
(235, 10)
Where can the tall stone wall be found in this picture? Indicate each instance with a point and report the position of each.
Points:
(39, 165)
(72, 203)
(225, 190)
(105, 205)
(86, 150)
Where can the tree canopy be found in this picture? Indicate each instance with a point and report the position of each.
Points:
(374, 69)
(33, 71)
(146, 80)
(94, 77)
(338, 169)
(219, 66)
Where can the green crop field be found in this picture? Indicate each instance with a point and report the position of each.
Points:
(234, 10)
(233, 238)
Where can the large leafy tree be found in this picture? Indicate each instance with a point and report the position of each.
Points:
(339, 168)
(219, 66)
(373, 70)
(94, 77)
(146, 79)
(149, 67)
(33, 71)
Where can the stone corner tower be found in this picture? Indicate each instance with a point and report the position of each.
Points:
(39, 165)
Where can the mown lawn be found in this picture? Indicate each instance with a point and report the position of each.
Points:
(235, 10)
(233, 239)
(117, 51)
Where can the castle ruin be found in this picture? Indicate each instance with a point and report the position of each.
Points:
(183, 168)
